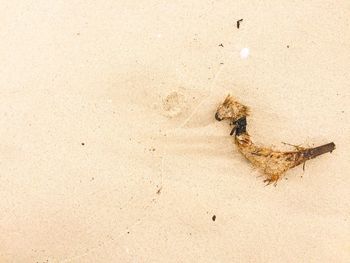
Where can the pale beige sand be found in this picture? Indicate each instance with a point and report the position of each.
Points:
(138, 82)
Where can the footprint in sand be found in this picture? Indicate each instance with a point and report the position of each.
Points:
(174, 104)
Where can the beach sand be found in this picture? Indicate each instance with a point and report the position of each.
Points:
(110, 151)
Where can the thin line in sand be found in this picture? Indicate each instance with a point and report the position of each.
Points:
(203, 101)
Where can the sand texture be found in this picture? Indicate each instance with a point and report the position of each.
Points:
(110, 151)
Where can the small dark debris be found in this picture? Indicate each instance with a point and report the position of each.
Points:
(128, 232)
(92, 178)
(159, 190)
(221, 45)
(287, 46)
(239, 22)
(213, 217)
(83, 143)
(221, 63)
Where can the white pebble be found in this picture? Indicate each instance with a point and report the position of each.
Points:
(244, 53)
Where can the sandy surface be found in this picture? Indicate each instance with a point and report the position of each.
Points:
(110, 151)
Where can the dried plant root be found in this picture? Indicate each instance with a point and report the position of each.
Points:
(273, 164)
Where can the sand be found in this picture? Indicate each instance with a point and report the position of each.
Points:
(110, 151)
